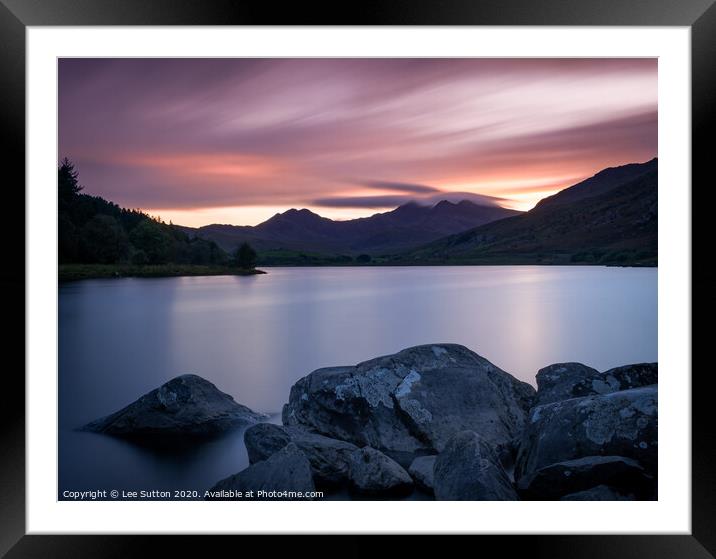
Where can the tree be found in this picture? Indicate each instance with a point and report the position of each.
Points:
(363, 258)
(139, 258)
(153, 239)
(103, 240)
(68, 240)
(94, 230)
(67, 181)
(245, 257)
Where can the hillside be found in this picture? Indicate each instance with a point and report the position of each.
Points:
(602, 182)
(614, 224)
(610, 218)
(404, 228)
(94, 232)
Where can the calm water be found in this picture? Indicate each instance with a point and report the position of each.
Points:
(255, 336)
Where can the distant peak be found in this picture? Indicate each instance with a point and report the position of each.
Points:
(462, 204)
(410, 207)
(301, 212)
(444, 203)
(293, 215)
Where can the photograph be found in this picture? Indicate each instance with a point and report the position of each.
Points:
(307, 279)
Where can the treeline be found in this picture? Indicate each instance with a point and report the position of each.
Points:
(92, 230)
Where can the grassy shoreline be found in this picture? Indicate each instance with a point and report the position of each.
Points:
(74, 272)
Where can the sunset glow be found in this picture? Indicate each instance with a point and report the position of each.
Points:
(199, 141)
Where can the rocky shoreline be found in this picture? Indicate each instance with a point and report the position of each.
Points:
(438, 419)
(186, 406)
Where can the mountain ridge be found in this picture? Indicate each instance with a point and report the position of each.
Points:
(599, 183)
(616, 224)
(407, 226)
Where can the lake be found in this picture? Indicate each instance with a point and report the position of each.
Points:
(254, 336)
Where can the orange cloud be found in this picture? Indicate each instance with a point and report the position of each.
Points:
(223, 165)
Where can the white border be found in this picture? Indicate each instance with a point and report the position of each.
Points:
(671, 514)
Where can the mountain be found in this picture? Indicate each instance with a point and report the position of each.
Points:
(610, 218)
(602, 182)
(404, 228)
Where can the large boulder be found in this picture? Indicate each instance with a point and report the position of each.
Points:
(187, 405)
(422, 470)
(572, 476)
(329, 458)
(469, 470)
(412, 402)
(635, 375)
(620, 423)
(563, 381)
(263, 440)
(286, 475)
(372, 472)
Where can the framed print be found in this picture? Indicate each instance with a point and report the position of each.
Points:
(412, 270)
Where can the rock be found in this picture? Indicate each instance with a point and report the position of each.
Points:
(264, 440)
(572, 476)
(287, 470)
(621, 423)
(563, 381)
(469, 470)
(598, 493)
(422, 471)
(328, 457)
(187, 405)
(634, 376)
(373, 472)
(412, 402)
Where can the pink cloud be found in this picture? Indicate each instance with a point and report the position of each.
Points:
(212, 133)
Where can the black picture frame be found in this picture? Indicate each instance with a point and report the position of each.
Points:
(16, 15)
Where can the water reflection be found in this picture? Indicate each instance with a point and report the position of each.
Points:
(255, 336)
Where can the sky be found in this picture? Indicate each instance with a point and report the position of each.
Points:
(236, 140)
